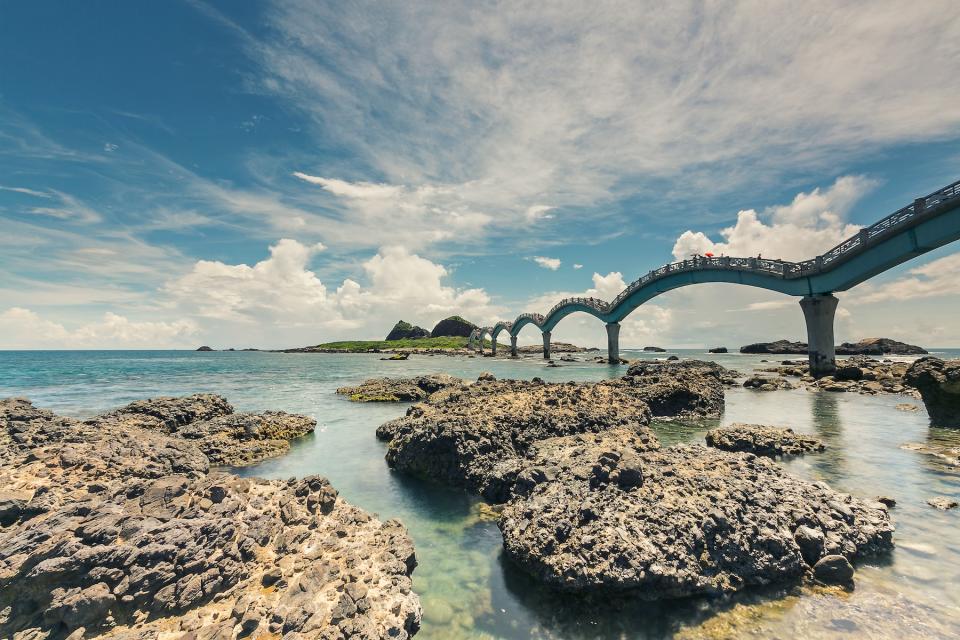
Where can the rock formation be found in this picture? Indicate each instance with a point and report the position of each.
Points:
(654, 349)
(717, 350)
(867, 346)
(113, 529)
(225, 437)
(399, 389)
(453, 326)
(682, 521)
(762, 440)
(479, 436)
(204, 348)
(691, 388)
(939, 384)
(403, 330)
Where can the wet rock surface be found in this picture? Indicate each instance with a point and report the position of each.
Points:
(685, 388)
(109, 528)
(938, 382)
(762, 440)
(699, 521)
(943, 503)
(478, 436)
(225, 437)
(944, 452)
(399, 389)
(858, 374)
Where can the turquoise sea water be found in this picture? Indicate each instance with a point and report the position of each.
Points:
(468, 590)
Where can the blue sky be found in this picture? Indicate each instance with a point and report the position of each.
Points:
(284, 173)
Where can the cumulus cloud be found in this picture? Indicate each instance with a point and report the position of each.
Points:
(547, 263)
(808, 226)
(24, 329)
(281, 300)
(937, 278)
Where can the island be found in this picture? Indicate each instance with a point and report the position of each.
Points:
(867, 346)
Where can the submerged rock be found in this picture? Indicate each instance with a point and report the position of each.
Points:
(942, 451)
(478, 436)
(939, 384)
(942, 503)
(225, 437)
(762, 440)
(123, 530)
(399, 389)
(699, 521)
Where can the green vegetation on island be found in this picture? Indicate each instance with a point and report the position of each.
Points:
(359, 346)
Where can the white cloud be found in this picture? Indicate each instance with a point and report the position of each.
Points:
(577, 266)
(24, 329)
(547, 263)
(538, 212)
(808, 226)
(25, 191)
(768, 305)
(940, 277)
(279, 301)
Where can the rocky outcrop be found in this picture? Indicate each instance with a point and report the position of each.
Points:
(766, 383)
(943, 503)
(403, 330)
(939, 384)
(654, 349)
(867, 346)
(857, 374)
(687, 520)
(453, 326)
(480, 436)
(717, 350)
(118, 530)
(399, 389)
(762, 440)
(225, 437)
(688, 388)
(879, 347)
(555, 347)
(778, 346)
(204, 348)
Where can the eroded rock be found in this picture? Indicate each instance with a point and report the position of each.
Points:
(939, 384)
(124, 530)
(762, 440)
(701, 521)
(399, 389)
(690, 388)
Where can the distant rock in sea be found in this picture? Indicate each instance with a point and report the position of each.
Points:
(654, 349)
(403, 330)
(204, 348)
(867, 346)
(717, 350)
(453, 326)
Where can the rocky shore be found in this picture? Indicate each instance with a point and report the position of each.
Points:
(938, 382)
(867, 346)
(593, 503)
(858, 374)
(399, 389)
(117, 526)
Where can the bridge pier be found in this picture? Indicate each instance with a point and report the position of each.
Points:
(513, 346)
(613, 342)
(818, 311)
(546, 345)
(493, 345)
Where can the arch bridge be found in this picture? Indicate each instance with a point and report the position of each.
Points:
(925, 224)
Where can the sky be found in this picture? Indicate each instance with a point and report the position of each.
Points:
(284, 173)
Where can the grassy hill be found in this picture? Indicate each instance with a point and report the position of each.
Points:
(444, 342)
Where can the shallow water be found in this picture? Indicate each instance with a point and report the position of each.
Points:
(467, 589)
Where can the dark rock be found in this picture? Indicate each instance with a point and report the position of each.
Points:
(204, 348)
(718, 350)
(879, 346)
(939, 384)
(397, 356)
(672, 359)
(400, 389)
(702, 521)
(654, 349)
(690, 388)
(486, 376)
(453, 326)
(403, 330)
(483, 436)
(833, 569)
(848, 373)
(778, 346)
(762, 383)
(762, 440)
(887, 501)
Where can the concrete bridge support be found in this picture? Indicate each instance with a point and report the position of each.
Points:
(818, 311)
(493, 343)
(513, 346)
(613, 342)
(546, 345)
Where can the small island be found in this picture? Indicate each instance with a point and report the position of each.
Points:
(867, 347)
